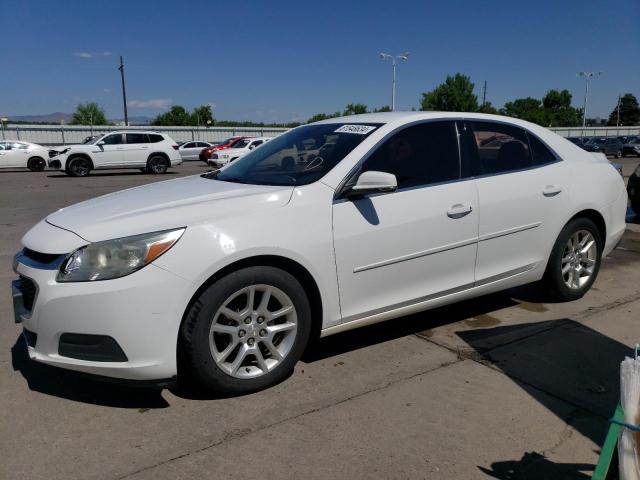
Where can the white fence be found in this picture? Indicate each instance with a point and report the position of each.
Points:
(67, 134)
(52, 135)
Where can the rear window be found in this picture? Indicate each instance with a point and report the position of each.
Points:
(540, 152)
(155, 138)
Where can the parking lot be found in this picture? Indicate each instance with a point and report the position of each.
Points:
(495, 387)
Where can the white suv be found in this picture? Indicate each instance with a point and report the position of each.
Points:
(151, 152)
(239, 149)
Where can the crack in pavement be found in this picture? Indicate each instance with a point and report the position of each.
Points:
(239, 433)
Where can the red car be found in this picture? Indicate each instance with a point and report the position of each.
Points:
(205, 154)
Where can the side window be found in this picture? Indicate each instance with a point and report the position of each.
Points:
(154, 138)
(189, 145)
(541, 154)
(500, 148)
(202, 145)
(137, 138)
(419, 155)
(255, 144)
(115, 139)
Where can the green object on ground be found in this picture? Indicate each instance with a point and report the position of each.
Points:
(609, 448)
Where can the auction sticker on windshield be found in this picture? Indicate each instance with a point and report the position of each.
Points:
(357, 129)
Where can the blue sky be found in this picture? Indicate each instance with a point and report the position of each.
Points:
(283, 61)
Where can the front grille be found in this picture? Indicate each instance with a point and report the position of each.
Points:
(40, 257)
(28, 289)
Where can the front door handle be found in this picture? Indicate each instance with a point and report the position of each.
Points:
(551, 190)
(458, 211)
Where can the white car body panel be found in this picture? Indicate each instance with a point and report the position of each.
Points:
(19, 157)
(191, 150)
(371, 259)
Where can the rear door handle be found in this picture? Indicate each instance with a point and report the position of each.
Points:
(551, 190)
(458, 211)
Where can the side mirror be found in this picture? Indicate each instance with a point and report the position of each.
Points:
(373, 182)
(100, 143)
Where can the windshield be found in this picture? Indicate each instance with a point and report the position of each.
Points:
(598, 141)
(240, 144)
(298, 157)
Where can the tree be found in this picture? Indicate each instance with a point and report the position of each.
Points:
(488, 108)
(454, 95)
(89, 114)
(385, 108)
(529, 109)
(201, 115)
(177, 116)
(355, 109)
(558, 110)
(629, 111)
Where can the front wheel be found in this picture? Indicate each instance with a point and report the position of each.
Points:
(574, 261)
(36, 164)
(247, 330)
(79, 167)
(618, 154)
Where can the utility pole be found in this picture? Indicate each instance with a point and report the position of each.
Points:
(393, 58)
(587, 76)
(124, 92)
(484, 93)
(618, 120)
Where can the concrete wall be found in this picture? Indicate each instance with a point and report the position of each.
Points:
(67, 134)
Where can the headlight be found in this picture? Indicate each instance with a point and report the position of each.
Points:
(116, 258)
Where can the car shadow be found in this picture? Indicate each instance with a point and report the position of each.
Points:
(534, 466)
(112, 174)
(80, 388)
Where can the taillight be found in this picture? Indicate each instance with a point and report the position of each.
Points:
(175, 147)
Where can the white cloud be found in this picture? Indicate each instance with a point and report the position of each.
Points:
(106, 54)
(84, 54)
(88, 55)
(153, 103)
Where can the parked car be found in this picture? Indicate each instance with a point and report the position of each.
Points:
(151, 152)
(580, 141)
(631, 148)
(236, 269)
(206, 153)
(606, 145)
(633, 190)
(628, 138)
(18, 154)
(191, 150)
(238, 150)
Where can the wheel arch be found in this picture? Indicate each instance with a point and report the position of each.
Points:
(296, 269)
(597, 218)
(158, 154)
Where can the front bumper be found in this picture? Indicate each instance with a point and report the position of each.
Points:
(140, 312)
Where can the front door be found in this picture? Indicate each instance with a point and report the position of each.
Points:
(414, 244)
(110, 153)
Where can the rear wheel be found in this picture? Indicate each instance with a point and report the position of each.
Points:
(36, 164)
(79, 167)
(575, 260)
(618, 154)
(247, 330)
(157, 164)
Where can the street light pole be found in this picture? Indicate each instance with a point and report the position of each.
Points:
(587, 76)
(394, 58)
(124, 93)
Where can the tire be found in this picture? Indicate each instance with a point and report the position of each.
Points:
(79, 167)
(557, 283)
(618, 154)
(157, 165)
(36, 164)
(144, 170)
(205, 318)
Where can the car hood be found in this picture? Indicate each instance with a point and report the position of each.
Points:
(164, 205)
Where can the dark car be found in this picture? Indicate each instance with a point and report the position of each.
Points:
(627, 138)
(632, 147)
(606, 145)
(633, 190)
(579, 141)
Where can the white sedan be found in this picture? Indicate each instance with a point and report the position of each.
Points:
(18, 154)
(392, 214)
(191, 150)
(238, 150)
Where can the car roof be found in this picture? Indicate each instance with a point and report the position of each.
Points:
(133, 131)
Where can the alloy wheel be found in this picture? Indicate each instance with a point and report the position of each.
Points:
(253, 331)
(579, 259)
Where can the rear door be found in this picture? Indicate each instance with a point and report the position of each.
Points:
(522, 193)
(11, 155)
(110, 153)
(190, 151)
(136, 149)
(414, 244)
